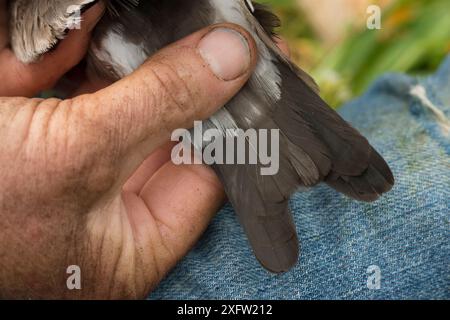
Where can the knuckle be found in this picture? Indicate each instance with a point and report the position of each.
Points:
(172, 86)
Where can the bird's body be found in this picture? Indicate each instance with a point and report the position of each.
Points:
(316, 144)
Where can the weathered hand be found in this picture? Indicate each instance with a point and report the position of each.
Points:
(86, 182)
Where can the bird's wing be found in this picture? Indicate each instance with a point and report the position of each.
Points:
(344, 158)
(264, 22)
(316, 145)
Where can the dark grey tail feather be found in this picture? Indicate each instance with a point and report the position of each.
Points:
(316, 128)
(370, 185)
(273, 237)
(267, 222)
(316, 145)
(345, 159)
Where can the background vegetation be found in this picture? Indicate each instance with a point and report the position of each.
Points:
(415, 38)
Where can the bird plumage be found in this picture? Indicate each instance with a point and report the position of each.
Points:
(316, 144)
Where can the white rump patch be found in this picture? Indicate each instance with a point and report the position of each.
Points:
(125, 56)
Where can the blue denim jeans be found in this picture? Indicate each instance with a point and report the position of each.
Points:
(396, 248)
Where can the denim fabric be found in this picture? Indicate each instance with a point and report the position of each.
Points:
(405, 234)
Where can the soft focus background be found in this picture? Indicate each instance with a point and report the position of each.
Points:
(330, 40)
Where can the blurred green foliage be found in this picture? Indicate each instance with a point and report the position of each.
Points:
(415, 38)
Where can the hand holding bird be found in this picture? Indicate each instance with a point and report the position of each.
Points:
(84, 181)
(109, 134)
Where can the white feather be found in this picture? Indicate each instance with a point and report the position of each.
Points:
(123, 55)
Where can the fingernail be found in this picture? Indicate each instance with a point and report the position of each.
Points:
(227, 53)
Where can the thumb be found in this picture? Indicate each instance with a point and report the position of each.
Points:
(184, 82)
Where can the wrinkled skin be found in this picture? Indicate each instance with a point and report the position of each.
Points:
(87, 181)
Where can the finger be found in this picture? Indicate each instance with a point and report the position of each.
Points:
(150, 166)
(29, 79)
(185, 82)
(182, 201)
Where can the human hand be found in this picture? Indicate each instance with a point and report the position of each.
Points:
(88, 182)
